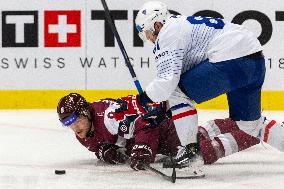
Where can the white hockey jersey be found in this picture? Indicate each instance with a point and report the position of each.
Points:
(184, 42)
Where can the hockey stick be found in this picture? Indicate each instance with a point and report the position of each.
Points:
(121, 46)
(171, 178)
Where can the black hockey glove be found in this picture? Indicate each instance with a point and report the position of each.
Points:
(156, 114)
(144, 100)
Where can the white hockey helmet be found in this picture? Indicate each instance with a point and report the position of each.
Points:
(151, 12)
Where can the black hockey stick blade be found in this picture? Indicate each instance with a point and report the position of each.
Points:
(171, 178)
(192, 177)
(148, 167)
(195, 175)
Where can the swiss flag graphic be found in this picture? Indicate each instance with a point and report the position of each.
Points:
(62, 28)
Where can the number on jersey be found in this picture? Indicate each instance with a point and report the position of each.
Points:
(216, 23)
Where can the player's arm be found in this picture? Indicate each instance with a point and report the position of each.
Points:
(104, 143)
(146, 144)
(107, 152)
(170, 50)
(110, 153)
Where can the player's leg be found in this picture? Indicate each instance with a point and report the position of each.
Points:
(245, 102)
(208, 80)
(245, 108)
(245, 99)
(202, 83)
(184, 116)
(216, 127)
(266, 130)
(240, 78)
(211, 149)
(168, 139)
(225, 145)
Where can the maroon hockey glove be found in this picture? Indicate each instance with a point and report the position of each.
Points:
(109, 153)
(140, 156)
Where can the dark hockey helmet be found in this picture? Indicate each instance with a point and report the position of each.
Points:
(70, 107)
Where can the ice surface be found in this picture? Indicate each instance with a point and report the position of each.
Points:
(33, 145)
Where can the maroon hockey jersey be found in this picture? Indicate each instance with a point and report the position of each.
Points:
(163, 139)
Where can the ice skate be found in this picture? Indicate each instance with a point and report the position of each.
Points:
(186, 156)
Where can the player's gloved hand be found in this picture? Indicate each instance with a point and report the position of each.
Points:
(155, 110)
(110, 153)
(144, 100)
(140, 156)
(155, 114)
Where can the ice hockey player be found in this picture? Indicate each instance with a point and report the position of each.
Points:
(107, 126)
(197, 59)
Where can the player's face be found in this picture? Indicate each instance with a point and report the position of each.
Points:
(81, 126)
(150, 36)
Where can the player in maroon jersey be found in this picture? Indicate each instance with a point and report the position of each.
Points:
(111, 127)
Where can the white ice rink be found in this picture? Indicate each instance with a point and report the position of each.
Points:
(33, 145)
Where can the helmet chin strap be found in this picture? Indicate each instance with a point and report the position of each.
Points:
(155, 33)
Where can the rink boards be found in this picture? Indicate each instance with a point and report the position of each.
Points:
(47, 99)
(50, 49)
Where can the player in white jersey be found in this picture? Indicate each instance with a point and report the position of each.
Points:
(198, 59)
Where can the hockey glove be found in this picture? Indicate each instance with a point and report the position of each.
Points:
(141, 155)
(109, 153)
(144, 100)
(156, 114)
